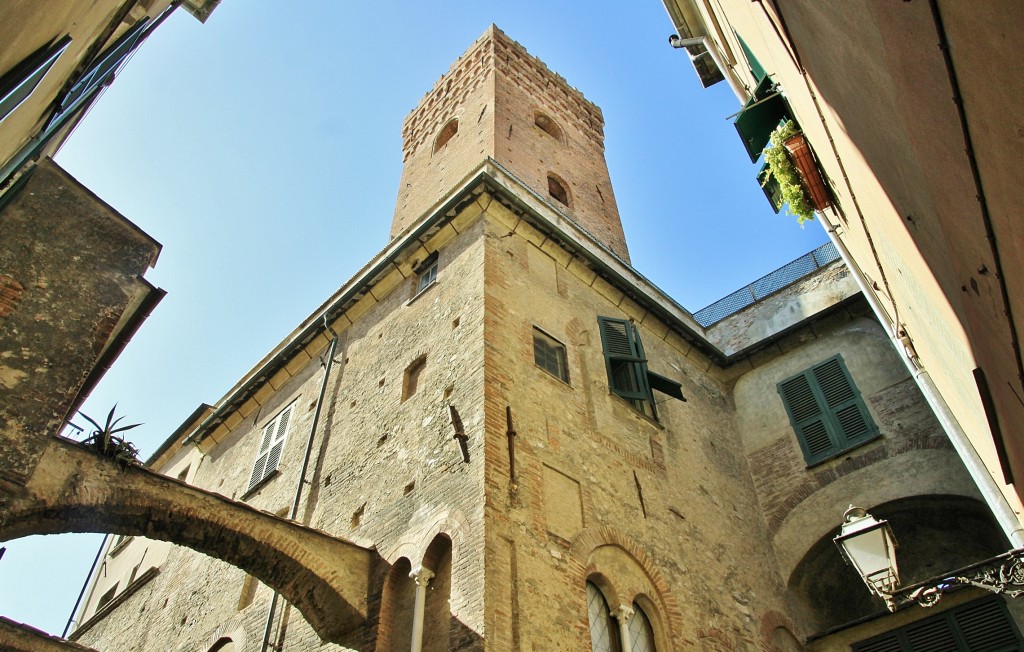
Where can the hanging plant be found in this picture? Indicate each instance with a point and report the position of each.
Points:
(781, 168)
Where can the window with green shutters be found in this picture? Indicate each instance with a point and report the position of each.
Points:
(626, 364)
(826, 410)
(979, 626)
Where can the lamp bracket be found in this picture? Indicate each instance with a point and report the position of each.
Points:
(1001, 574)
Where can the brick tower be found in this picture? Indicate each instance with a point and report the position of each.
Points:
(497, 101)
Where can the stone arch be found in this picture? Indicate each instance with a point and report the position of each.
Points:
(662, 604)
(437, 611)
(325, 578)
(231, 631)
(934, 534)
(925, 473)
(777, 633)
(395, 629)
(447, 132)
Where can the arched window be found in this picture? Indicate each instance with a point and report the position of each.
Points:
(223, 645)
(547, 125)
(446, 133)
(641, 634)
(437, 611)
(395, 633)
(604, 635)
(557, 190)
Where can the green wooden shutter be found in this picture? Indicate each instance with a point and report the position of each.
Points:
(755, 66)
(843, 401)
(980, 626)
(623, 355)
(826, 410)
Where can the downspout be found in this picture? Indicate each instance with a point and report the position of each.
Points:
(81, 594)
(990, 491)
(305, 467)
(716, 56)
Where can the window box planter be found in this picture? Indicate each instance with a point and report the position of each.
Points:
(803, 158)
(792, 176)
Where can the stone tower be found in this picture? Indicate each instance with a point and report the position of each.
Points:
(499, 102)
(481, 441)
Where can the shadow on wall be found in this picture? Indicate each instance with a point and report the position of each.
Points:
(935, 534)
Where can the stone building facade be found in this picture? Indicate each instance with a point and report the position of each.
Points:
(525, 443)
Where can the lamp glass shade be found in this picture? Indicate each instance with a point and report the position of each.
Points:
(869, 546)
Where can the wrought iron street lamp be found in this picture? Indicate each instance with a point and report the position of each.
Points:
(869, 546)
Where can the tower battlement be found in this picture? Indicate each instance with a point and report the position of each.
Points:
(498, 101)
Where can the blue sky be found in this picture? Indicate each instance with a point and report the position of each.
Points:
(263, 150)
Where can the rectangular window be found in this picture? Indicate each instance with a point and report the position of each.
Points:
(106, 597)
(826, 410)
(426, 273)
(271, 446)
(979, 625)
(628, 375)
(21, 81)
(549, 355)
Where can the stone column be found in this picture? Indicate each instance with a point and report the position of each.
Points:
(622, 614)
(422, 577)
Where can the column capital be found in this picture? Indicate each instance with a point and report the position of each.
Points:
(623, 613)
(421, 575)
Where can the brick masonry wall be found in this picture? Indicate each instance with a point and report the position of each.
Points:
(385, 472)
(583, 458)
(495, 90)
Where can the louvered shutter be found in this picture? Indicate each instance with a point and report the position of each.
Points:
(271, 446)
(826, 410)
(980, 626)
(843, 401)
(808, 417)
(277, 447)
(623, 360)
(986, 625)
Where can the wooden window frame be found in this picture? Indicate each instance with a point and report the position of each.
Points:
(273, 437)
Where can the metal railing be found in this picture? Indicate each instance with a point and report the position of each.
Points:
(768, 284)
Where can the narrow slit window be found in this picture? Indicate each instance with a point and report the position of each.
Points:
(412, 377)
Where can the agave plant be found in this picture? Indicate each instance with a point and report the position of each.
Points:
(104, 439)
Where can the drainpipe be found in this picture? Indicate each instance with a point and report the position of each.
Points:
(990, 491)
(716, 56)
(422, 577)
(305, 467)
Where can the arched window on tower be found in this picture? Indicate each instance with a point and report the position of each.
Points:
(547, 125)
(557, 189)
(446, 133)
(604, 635)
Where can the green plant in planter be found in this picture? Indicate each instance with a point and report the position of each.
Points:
(780, 166)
